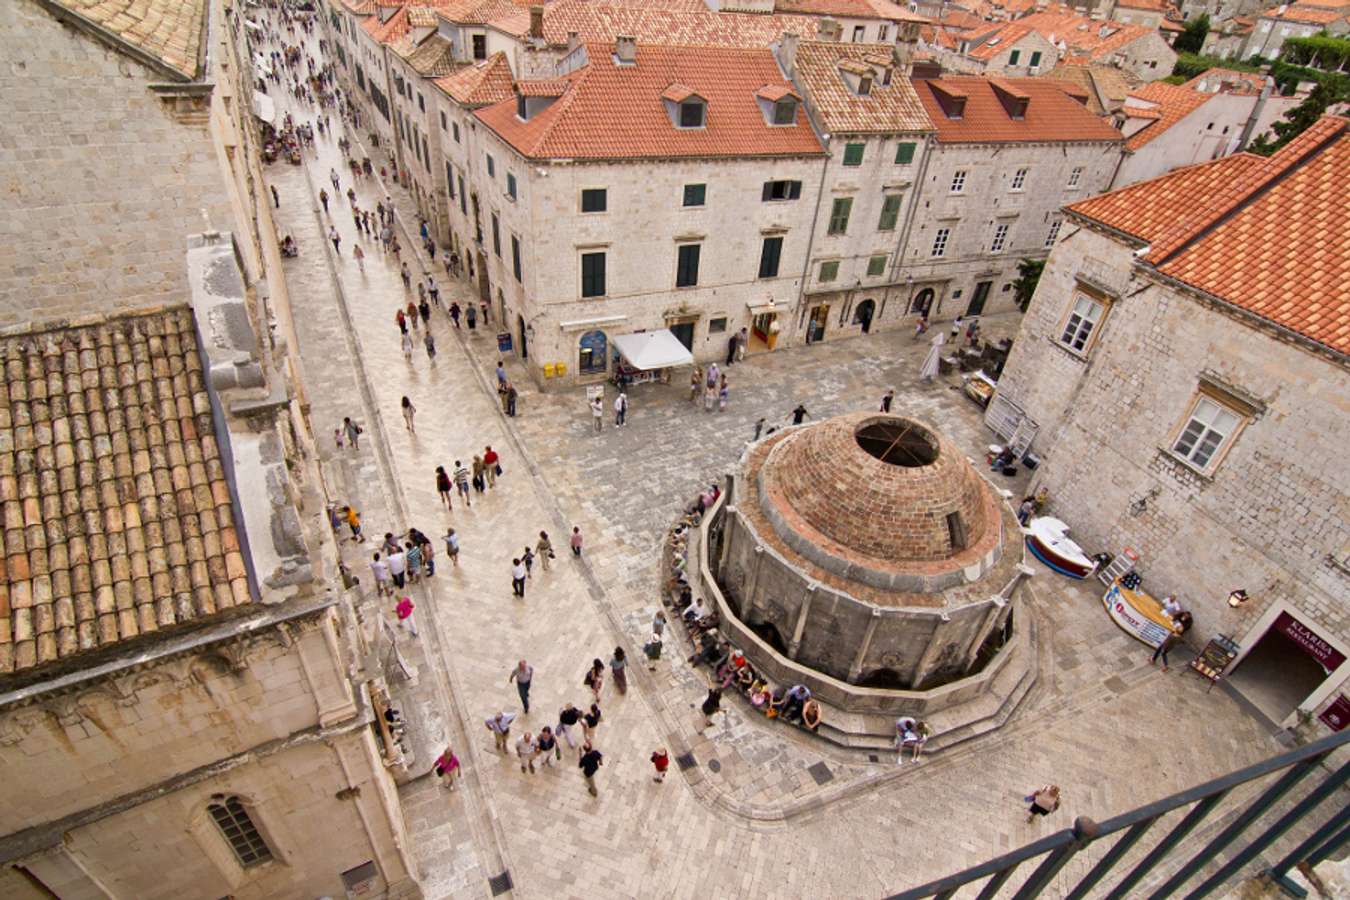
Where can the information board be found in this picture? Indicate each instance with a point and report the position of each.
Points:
(1218, 653)
(503, 342)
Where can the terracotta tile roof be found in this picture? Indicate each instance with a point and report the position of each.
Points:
(1170, 102)
(168, 30)
(1106, 86)
(1227, 81)
(616, 112)
(390, 31)
(1008, 34)
(117, 514)
(1153, 5)
(485, 82)
(1307, 15)
(775, 92)
(670, 23)
(553, 87)
(1052, 115)
(1268, 235)
(432, 58)
(888, 108)
(850, 9)
(1083, 36)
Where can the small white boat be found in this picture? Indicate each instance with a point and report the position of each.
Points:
(1048, 540)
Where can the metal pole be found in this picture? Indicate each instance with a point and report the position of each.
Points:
(1279, 875)
(1164, 847)
(1112, 857)
(991, 887)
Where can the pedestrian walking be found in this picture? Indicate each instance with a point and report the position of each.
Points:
(500, 726)
(511, 397)
(518, 578)
(428, 554)
(759, 429)
(443, 487)
(660, 762)
(741, 345)
(589, 763)
(526, 751)
(711, 704)
(405, 343)
(401, 320)
(336, 239)
(447, 766)
(404, 611)
(548, 746)
(1043, 802)
(598, 413)
(799, 414)
(333, 177)
(360, 257)
(353, 433)
(380, 570)
(452, 546)
(522, 675)
(527, 559)
(424, 310)
(886, 400)
(501, 371)
(462, 482)
(731, 347)
(471, 316)
(354, 523)
(544, 548)
(492, 465)
(454, 313)
(723, 395)
(568, 717)
(406, 275)
(695, 384)
(618, 665)
(590, 721)
(276, 200)
(429, 342)
(652, 650)
(1173, 638)
(323, 198)
(398, 566)
(620, 409)
(412, 555)
(595, 678)
(576, 540)
(479, 479)
(409, 411)
(413, 318)
(659, 623)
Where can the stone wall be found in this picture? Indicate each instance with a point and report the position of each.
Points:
(102, 182)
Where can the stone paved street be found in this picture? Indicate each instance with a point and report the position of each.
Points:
(749, 819)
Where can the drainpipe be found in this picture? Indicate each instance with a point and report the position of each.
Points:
(929, 145)
(810, 243)
(1257, 108)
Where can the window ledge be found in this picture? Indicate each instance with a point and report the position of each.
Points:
(1185, 465)
(1068, 351)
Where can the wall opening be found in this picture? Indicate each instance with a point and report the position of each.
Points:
(956, 531)
(898, 442)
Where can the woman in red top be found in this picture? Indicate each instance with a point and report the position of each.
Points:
(490, 464)
(661, 761)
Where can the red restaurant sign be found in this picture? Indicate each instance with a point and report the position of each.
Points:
(1307, 639)
(1337, 715)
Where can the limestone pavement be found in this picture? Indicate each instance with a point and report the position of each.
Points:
(764, 811)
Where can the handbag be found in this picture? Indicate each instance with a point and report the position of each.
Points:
(499, 468)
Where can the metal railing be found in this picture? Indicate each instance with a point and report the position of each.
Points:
(1055, 851)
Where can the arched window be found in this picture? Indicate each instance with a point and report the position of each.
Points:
(923, 302)
(592, 349)
(235, 824)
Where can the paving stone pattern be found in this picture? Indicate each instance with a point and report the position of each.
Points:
(1109, 729)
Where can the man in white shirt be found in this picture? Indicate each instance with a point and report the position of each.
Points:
(398, 567)
(620, 409)
(500, 726)
(380, 569)
(518, 574)
(598, 413)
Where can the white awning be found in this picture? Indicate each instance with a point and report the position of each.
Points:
(253, 26)
(766, 306)
(264, 108)
(653, 349)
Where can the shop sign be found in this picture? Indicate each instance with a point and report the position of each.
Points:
(1337, 715)
(1328, 656)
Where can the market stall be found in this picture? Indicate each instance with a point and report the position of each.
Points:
(648, 356)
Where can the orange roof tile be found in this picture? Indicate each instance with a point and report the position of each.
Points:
(118, 519)
(390, 31)
(170, 31)
(1051, 116)
(485, 82)
(616, 112)
(1085, 37)
(849, 9)
(670, 23)
(1227, 81)
(1003, 38)
(1308, 15)
(887, 109)
(1170, 102)
(1265, 234)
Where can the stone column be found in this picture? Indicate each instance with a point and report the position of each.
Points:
(750, 602)
(925, 664)
(321, 661)
(992, 617)
(856, 669)
(728, 519)
(802, 615)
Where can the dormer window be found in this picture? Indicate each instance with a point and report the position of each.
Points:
(691, 114)
(778, 104)
(785, 112)
(865, 86)
(685, 108)
(521, 111)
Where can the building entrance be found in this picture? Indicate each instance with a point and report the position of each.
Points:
(1287, 664)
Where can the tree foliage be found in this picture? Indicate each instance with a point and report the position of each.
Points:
(1193, 38)
(1192, 64)
(1321, 51)
(1028, 276)
(1297, 120)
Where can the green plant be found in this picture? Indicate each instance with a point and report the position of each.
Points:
(1028, 276)
(1193, 64)
(1193, 38)
(1297, 120)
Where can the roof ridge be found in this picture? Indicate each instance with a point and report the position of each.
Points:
(558, 108)
(1244, 189)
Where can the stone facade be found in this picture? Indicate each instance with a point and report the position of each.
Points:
(1272, 517)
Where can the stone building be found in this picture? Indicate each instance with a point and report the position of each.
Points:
(866, 558)
(1006, 155)
(1081, 40)
(1288, 20)
(1187, 361)
(1007, 48)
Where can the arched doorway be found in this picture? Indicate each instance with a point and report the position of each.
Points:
(864, 313)
(922, 303)
(592, 353)
(524, 341)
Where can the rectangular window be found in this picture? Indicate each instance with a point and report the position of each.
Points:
(421, 104)
(876, 266)
(1208, 427)
(959, 181)
(450, 180)
(522, 107)
(829, 271)
(496, 236)
(1019, 179)
(782, 190)
(904, 153)
(883, 33)
(463, 197)
(511, 186)
(691, 114)
(1000, 238)
(695, 194)
(1081, 324)
(491, 166)
(593, 274)
(454, 131)
(1035, 58)
(717, 325)
(769, 256)
(594, 200)
(443, 125)
(839, 213)
(1054, 233)
(853, 154)
(859, 33)
(890, 212)
(1014, 57)
(426, 155)
(686, 265)
(1075, 176)
(480, 46)
(940, 241)
(515, 256)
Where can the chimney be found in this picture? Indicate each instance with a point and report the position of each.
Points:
(573, 41)
(829, 30)
(625, 50)
(536, 21)
(787, 52)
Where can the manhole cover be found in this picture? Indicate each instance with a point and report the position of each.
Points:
(715, 765)
(500, 884)
(685, 761)
(820, 772)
